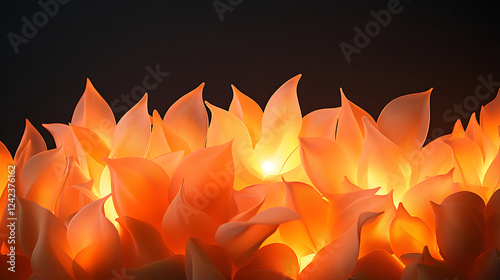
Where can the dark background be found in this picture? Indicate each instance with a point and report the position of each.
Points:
(258, 46)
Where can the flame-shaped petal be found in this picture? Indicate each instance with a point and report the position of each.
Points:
(42, 237)
(410, 234)
(141, 243)
(93, 112)
(281, 123)
(65, 139)
(187, 122)
(206, 261)
(209, 188)
(405, 121)
(225, 127)
(132, 133)
(171, 268)
(158, 145)
(140, 189)
(41, 178)
(242, 239)
(169, 161)
(490, 120)
(91, 144)
(382, 164)
(325, 163)
(95, 242)
(320, 123)
(417, 199)
(338, 259)
(31, 144)
(305, 236)
(249, 112)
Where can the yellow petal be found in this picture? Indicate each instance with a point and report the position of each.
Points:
(132, 133)
(225, 127)
(281, 125)
(187, 119)
(93, 112)
(405, 121)
(249, 112)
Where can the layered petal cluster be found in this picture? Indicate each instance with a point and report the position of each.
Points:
(252, 193)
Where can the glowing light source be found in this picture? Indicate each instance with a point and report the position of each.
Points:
(268, 168)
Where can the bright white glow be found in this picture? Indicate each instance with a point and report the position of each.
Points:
(267, 168)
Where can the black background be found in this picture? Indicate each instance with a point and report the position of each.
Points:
(257, 47)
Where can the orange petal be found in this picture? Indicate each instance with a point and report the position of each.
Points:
(487, 265)
(169, 161)
(158, 144)
(338, 259)
(281, 123)
(460, 228)
(141, 243)
(491, 178)
(382, 164)
(41, 178)
(416, 200)
(201, 260)
(187, 119)
(93, 112)
(31, 144)
(378, 265)
(405, 121)
(320, 123)
(242, 239)
(469, 159)
(94, 241)
(410, 234)
(325, 163)
(5, 162)
(490, 120)
(71, 200)
(91, 143)
(65, 139)
(249, 112)
(207, 177)
(182, 221)
(433, 159)
(225, 127)
(476, 134)
(274, 261)
(132, 133)
(350, 130)
(305, 236)
(42, 238)
(140, 189)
